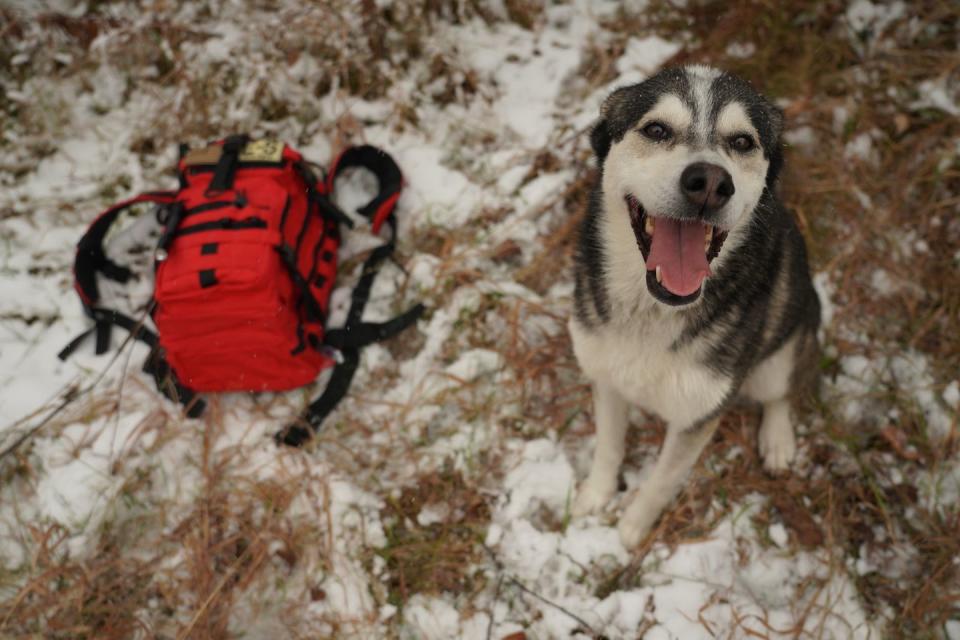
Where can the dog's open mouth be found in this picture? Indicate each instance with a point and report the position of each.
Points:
(677, 253)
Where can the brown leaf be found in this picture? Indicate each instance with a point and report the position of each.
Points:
(901, 122)
(897, 440)
(506, 251)
(799, 521)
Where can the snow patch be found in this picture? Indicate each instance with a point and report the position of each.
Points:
(543, 477)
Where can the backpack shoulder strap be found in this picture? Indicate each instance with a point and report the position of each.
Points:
(355, 333)
(91, 258)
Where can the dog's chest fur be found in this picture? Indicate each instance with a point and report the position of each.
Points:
(639, 361)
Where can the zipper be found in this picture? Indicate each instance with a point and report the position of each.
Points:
(228, 224)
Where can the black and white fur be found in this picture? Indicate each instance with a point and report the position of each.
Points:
(750, 331)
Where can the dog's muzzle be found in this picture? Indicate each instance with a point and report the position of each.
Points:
(677, 253)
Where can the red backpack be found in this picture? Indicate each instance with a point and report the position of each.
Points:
(244, 268)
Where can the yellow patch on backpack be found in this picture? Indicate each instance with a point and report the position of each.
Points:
(265, 150)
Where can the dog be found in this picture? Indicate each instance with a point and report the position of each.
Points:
(692, 287)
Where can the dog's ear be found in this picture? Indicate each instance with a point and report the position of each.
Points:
(776, 121)
(775, 117)
(601, 136)
(600, 140)
(614, 101)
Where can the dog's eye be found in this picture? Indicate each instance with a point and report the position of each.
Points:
(657, 131)
(742, 143)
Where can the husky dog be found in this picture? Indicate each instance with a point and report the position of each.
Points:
(692, 284)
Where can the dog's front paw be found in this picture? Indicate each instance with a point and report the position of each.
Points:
(591, 497)
(637, 520)
(778, 446)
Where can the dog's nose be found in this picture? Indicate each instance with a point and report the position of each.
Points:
(708, 186)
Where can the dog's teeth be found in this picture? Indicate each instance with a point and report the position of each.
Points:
(707, 237)
(648, 226)
(659, 275)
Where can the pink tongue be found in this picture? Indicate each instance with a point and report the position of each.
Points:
(678, 250)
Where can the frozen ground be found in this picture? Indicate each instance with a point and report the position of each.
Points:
(435, 503)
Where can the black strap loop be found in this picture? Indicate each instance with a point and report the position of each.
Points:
(226, 168)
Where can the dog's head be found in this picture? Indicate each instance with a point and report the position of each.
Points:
(686, 156)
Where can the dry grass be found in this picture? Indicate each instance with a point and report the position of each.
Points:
(195, 573)
(154, 569)
(432, 555)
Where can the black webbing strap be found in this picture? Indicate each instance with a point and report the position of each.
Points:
(330, 210)
(226, 168)
(156, 364)
(168, 384)
(327, 207)
(355, 333)
(363, 333)
(297, 433)
(102, 331)
(311, 306)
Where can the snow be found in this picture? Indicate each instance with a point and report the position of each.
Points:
(860, 147)
(936, 94)
(859, 387)
(741, 49)
(882, 283)
(432, 618)
(951, 395)
(863, 15)
(778, 534)
(800, 137)
(543, 477)
(952, 629)
(642, 57)
(911, 373)
(825, 292)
